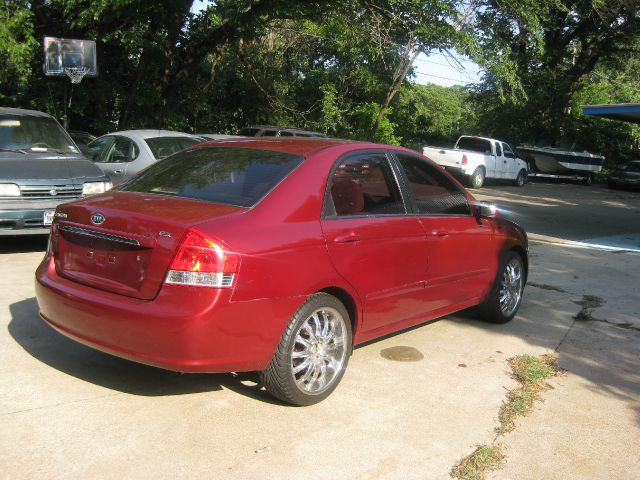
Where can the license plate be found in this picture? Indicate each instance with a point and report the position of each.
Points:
(47, 217)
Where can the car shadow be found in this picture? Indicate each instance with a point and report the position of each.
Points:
(23, 244)
(114, 373)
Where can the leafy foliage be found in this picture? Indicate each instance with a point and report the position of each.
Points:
(339, 67)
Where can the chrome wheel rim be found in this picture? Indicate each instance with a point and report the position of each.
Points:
(319, 351)
(511, 287)
(477, 180)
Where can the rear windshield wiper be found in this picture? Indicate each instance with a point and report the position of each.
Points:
(13, 150)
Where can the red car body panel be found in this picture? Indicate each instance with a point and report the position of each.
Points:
(394, 271)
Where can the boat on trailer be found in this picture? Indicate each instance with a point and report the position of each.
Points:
(561, 163)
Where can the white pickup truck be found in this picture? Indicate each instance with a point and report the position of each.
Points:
(477, 158)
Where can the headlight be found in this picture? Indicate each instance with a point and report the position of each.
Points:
(9, 190)
(92, 188)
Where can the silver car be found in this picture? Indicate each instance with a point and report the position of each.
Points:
(123, 154)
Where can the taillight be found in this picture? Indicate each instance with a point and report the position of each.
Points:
(464, 159)
(202, 261)
(52, 244)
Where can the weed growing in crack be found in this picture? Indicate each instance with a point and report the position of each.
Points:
(474, 466)
(584, 315)
(532, 373)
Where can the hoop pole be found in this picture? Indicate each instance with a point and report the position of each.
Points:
(65, 118)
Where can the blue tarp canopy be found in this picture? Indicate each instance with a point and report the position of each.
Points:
(626, 112)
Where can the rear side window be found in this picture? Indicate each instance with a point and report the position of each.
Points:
(433, 191)
(474, 144)
(365, 185)
(164, 146)
(232, 176)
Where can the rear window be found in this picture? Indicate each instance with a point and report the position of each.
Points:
(474, 144)
(232, 176)
(164, 146)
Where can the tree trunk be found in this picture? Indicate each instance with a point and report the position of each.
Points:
(405, 62)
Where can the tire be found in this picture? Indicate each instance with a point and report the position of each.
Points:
(476, 180)
(505, 296)
(588, 180)
(313, 352)
(521, 179)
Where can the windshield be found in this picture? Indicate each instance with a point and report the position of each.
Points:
(474, 144)
(28, 133)
(233, 176)
(164, 146)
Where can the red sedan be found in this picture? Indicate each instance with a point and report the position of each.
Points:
(277, 256)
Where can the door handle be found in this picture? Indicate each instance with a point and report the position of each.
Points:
(349, 238)
(118, 172)
(440, 233)
(504, 161)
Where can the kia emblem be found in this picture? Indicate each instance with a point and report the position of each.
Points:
(97, 219)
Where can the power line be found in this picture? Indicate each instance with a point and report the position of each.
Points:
(438, 76)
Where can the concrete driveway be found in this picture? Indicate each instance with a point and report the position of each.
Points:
(70, 412)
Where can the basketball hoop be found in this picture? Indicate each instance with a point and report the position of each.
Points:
(76, 74)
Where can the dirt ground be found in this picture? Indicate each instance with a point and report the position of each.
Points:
(70, 412)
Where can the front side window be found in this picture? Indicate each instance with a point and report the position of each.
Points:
(95, 148)
(433, 191)
(30, 133)
(498, 150)
(121, 150)
(365, 185)
(507, 151)
(228, 175)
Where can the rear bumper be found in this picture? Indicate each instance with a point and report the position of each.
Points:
(455, 171)
(185, 329)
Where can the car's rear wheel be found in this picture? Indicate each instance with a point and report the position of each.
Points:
(476, 180)
(505, 297)
(313, 352)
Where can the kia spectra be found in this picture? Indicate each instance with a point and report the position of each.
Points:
(276, 256)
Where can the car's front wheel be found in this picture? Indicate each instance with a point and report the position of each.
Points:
(521, 179)
(505, 297)
(313, 352)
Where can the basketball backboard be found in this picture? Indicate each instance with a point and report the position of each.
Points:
(61, 53)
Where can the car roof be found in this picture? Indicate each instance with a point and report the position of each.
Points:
(150, 133)
(304, 146)
(283, 129)
(22, 111)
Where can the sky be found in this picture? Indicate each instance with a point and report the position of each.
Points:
(436, 68)
(441, 69)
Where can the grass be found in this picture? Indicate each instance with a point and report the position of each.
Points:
(531, 372)
(475, 466)
(584, 315)
(588, 303)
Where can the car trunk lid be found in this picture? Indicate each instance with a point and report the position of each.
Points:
(124, 242)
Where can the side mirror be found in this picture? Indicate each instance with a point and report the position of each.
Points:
(485, 210)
